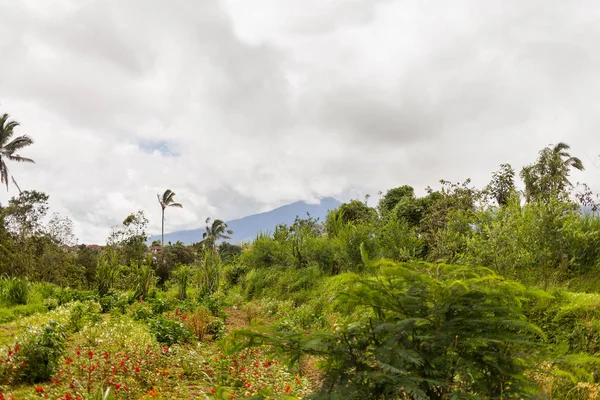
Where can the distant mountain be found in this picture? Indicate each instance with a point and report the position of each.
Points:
(245, 229)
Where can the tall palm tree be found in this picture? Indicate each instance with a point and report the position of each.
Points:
(166, 200)
(9, 147)
(215, 231)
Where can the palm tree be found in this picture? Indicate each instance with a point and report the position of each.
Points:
(8, 149)
(215, 231)
(549, 176)
(166, 200)
(560, 150)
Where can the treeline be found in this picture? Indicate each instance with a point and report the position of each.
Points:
(538, 235)
(549, 233)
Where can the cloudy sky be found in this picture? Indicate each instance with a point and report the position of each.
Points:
(242, 106)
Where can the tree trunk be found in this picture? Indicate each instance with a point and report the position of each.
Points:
(162, 243)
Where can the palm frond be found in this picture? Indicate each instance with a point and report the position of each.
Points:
(575, 163)
(178, 205)
(18, 158)
(560, 147)
(17, 144)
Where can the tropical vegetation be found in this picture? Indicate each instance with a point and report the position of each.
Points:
(459, 293)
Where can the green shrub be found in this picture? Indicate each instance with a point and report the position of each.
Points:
(234, 273)
(107, 303)
(160, 306)
(83, 314)
(182, 276)
(68, 295)
(217, 328)
(141, 312)
(167, 331)
(51, 303)
(40, 352)
(215, 303)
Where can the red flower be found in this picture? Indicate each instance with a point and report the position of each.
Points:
(180, 376)
(137, 369)
(212, 390)
(287, 389)
(91, 354)
(247, 385)
(23, 364)
(17, 347)
(78, 352)
(297, 380)
(68, 361)
(255, 365)
(10, 352)
(68, 396)
(39, 389)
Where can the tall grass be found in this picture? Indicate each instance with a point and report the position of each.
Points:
(14, 291)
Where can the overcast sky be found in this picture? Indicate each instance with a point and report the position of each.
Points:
(241, 106)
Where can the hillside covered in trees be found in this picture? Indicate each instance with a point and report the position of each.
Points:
(459, 293)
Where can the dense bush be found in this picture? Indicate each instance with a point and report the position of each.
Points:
(423, 338)
(39, 353)
(168, 331)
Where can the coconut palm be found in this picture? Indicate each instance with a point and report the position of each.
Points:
(215, 231)
(549, 176)
(166, 200)
(9, 147)
(560, 150)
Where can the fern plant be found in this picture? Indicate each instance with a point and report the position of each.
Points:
(422, 331)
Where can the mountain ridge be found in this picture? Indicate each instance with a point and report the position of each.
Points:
(246, 228)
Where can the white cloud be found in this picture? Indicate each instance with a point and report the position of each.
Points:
(243, 106)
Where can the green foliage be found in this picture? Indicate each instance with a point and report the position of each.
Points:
(357, 212)
(40, 352)
(540, 242)
(398, 241)
(217, 328)
(234, 273)
(167, 331)
(106, 272)
(394, 196)
(229, 252)
(143, 279)
(208, 275)
(423, 338)
(502, 186)
(83, 314)
(548, 177)
(182, 277)
(14, 291)
(214, 303)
